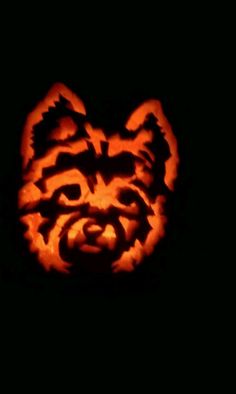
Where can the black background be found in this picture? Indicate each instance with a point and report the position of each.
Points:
(167, 316)
(112, 75)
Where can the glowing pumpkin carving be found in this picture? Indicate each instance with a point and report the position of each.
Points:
(89, 200)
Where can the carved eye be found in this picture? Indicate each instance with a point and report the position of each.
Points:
(127, 197)
(72, 192)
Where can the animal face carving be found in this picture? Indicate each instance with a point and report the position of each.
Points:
(93, 200)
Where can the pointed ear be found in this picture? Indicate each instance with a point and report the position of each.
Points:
(137, 120)
(140, 114)
(57, 91)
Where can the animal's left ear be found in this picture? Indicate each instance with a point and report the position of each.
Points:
(58, 94)
(137, 121)
(140, 115)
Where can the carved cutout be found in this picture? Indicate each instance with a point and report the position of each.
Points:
(92, 201)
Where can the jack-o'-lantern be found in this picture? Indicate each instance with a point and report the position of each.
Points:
(92, 200)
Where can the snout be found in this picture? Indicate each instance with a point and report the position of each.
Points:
(109, 221)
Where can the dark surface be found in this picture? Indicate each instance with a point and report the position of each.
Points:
(111, 84)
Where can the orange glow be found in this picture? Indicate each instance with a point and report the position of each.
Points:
(67, 127)
(136, 119)
(35, 116)
(71, 214)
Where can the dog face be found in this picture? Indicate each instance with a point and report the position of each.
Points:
(93, 200)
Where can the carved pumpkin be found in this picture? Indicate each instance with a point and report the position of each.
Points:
(92, 200)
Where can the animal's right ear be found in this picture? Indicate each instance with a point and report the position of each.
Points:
(57, 93)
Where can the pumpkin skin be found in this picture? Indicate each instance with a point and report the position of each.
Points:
(91, 200)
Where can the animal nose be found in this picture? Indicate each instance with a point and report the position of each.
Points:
(93, 229)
